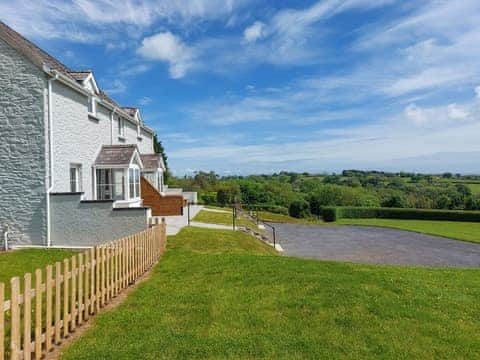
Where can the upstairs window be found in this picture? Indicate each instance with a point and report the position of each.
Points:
(121, 127)
(92, 106)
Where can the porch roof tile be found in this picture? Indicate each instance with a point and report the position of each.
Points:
(117, 155)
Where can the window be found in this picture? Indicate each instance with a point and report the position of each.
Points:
(134, 182)
(92, 106)
(110, 184)
(121, 127)
(75, 178)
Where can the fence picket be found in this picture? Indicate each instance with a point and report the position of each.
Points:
(81, 270)
(73, 294)
(38, 314)
(2, 322)
(27, 316)
(15, 319)
(65, 297)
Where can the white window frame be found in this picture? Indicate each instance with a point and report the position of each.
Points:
(77, 180)
(121, 127)
(132, 170)
(93, 102)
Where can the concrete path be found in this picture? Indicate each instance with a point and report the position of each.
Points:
(176, 223)
(216, 211)
(211, 226)
(375, 245)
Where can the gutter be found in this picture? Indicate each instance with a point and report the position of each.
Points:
(50, 174)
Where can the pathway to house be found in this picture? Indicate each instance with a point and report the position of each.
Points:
(211, 226)
(375, 245)
(176, 223)
(217, 211)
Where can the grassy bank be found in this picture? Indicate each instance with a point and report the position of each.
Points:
(19, 262)
(221, 218)
(222, 294)
(466, 231)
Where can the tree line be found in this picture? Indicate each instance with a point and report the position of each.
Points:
(304, 194)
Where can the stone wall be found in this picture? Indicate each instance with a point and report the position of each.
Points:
(87, 223)
(22, 149)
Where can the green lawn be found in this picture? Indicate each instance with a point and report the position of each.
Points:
(467, 231)
(280, 218)
(223, 294)
(211, 217)
(19, 262)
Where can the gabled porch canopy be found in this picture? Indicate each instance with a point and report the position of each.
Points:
(153, 168)
(115, 167)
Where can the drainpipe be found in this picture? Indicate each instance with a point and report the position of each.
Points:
(111, 125)
(6, 233)
(49, 179)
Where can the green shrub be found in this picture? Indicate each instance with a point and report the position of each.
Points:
(329, 213)
(336, 213)
(299, 209)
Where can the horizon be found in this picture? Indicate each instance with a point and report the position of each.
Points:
(251, 87)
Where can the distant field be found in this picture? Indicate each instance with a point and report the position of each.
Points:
(466, 231)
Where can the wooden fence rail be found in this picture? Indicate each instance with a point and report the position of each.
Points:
(48, 307)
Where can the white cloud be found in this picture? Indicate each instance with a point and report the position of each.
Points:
(477, 91)
(416, 114)
(254, 32)
(457, 112)
(168, 48)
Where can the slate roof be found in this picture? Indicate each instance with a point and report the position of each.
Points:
(119, 155)
(152, 161)
(80, 75)
(130, 110)
(31, 51)
(41, 58)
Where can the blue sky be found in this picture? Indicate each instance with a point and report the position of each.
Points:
(262, 86)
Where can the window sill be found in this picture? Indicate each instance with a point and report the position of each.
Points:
(121, 137)
(128, 203)
(93, 117)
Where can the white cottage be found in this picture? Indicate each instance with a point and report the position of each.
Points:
(72, 159)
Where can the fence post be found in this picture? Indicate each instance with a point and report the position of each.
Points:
(2, 322)
(15, 319)
(27, 317)
(38, 313)
(92, 281)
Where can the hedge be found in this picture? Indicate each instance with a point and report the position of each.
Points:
(335, 213)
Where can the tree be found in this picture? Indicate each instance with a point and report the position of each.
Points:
(159, 149)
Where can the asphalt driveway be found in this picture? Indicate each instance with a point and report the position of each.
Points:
(375, 245)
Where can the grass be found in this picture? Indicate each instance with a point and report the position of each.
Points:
(280, 218)
(466, 231)
(211, 217)
(222, 294)
(19, 262)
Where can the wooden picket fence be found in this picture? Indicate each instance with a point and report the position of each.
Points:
(64, 296)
